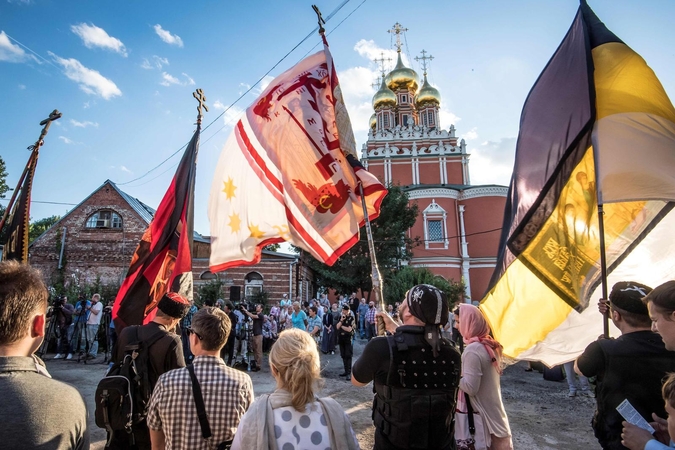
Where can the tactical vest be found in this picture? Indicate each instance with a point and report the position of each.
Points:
(416, 407)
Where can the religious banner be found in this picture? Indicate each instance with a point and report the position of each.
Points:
(18, 222)
(163, 259)
(289, 172)
(596, 128)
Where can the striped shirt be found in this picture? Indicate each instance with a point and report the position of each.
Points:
(227, 395)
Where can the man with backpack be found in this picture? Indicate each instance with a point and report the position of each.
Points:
(141, 355)
(199, 408)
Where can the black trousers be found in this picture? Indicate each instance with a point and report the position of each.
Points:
(346, 352)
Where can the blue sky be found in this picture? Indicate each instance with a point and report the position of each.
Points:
(122, 73)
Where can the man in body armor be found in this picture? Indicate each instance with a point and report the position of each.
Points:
(415, 373)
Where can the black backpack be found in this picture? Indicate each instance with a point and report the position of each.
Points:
(122, 396)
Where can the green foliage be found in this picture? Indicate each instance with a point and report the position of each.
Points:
(261, 297)
(212, 290)
(400, 281)
(3, 178)
(352, 271)
(40, 226)
(272, 247)
(73, 285)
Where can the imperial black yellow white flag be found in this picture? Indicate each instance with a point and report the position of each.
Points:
(596, 128)
(289, 172)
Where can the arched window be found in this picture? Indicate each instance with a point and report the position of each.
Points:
(253, 284)
(104, 218)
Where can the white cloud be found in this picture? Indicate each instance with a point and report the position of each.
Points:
(471, 134)
(267, 79)
(168, 79)
(166, 36)
(94, 36)
(157, 62)
(232, 116)
(190, 81)
(124, 169)
(84, 124)
(371, 51)
(447, 118)
(492, 161)
(12, 53)
(68, 141)
(243, 87)
(22, 86)
(90, 81)
(219, 105)
(85, 105)
(358, 94)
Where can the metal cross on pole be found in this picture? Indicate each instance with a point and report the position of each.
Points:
(201, 98)
(322, 22)
(424, 58)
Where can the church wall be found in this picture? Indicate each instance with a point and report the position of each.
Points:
(401, 171)
(483, 214)
(480, 278)
(454, 170)
(430, 171)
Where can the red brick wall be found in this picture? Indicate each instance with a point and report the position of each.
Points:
(89, 252)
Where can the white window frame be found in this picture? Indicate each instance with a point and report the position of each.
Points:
(434, 212)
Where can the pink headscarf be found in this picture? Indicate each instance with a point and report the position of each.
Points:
(474, 328)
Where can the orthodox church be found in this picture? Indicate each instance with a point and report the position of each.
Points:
(459, 223)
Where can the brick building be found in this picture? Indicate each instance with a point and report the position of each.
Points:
(97, 238)
(459, 223)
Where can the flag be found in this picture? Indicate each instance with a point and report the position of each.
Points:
(596, 128)
(163, 259)
(18, 222)
(289, 172)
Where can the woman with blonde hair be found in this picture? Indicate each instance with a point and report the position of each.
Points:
(481, 369)
(292, 416)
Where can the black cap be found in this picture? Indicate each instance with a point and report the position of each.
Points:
(429, 304)
(345, 306)
(628, 295)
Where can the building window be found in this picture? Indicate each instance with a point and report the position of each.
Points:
(104, 219)
(253, 285)
(435, 225)
(385, 120)
(404, 98)
(405, 120)
(435, 230)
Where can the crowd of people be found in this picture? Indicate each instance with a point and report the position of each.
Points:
(431, 392)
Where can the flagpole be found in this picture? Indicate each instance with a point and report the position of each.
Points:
(603, 267)
(35, 148)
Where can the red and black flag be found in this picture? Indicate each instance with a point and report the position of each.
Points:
(18, 221)
(162, 261)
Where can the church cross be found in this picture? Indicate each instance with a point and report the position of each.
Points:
(201, 98)
(424, 58)
(380, 62)
(376, 84)
(397, 29)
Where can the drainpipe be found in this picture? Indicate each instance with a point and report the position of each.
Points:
(465, 257)
(63, 245)
(290, 278)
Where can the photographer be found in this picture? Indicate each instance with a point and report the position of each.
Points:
(93, 323)
(256, 342)
(79, 334)
(62, 313)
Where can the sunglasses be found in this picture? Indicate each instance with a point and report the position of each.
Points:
(191, 331)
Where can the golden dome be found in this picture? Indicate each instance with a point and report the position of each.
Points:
(402, 77)
(373, 121)
(384, 97)
(428, 94)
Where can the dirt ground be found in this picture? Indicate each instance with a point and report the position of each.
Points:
(541, 415)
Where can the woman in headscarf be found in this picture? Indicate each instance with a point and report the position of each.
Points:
(481, 369)
(293, 416)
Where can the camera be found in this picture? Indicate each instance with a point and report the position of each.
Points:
(58, 302)
(246, 306)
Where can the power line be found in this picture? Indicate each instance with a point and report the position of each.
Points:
(33, 52)
(247, 91)
(45, 202)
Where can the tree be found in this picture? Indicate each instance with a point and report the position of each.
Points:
(212, 290)
(40, 226)
(352, 271)
(400, 281)
(3, 190)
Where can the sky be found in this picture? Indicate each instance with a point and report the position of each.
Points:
(122, 73)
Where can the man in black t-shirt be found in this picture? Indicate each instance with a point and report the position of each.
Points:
(415, 373)
(630, 367)
(257, 340)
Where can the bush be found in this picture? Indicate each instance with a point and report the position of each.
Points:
(400, 281)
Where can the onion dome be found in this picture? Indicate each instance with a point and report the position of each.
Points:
(428, 94)
(373, 121)
(384, 97)
(402, 77)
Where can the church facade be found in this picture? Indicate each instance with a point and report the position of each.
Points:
(459, 224)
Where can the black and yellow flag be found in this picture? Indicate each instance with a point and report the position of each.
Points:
(596, 128)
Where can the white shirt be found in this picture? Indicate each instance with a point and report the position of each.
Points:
(95, 314)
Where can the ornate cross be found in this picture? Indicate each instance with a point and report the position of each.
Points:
(54, 115)
(397, 29)
(424, 58)
(380, 62)
(201, 98)
(320, 19)
(376, 84)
